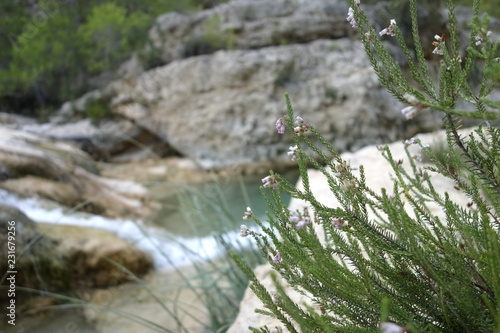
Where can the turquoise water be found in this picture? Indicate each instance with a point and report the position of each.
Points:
(213, 207)
(186, 223)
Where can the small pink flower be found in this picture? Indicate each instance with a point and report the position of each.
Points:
(411, 111)
(302, 223)
(277, 258)
(389, 31)
(479, 40)
(244, 231)
(295, 217)
(280, 125)
(270, 181)
(300, 220)
(350, 18)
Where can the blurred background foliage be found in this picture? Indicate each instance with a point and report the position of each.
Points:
(56, 50)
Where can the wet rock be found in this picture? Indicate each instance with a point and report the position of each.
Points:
(37, 166)
(63, 260)
(35, 257)
(97, 258)
(111, 139)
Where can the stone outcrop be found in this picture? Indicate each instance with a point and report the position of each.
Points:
(60, 259)
(218, 109)
(378, 176)
(31, 166)
(96, 258)
(248, 24)
(163, 298)
(109, 139)
(35, 257)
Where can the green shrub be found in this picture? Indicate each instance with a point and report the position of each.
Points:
(51, 49)
(384, 257)
(212, 39)
(97, 109)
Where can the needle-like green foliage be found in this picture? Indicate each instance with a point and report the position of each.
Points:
(384, 256)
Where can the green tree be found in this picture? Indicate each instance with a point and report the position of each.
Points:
(109, 35)
(50, 49)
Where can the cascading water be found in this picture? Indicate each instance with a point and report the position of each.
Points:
(166, 249)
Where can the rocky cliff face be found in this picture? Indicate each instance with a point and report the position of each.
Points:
(248, 24)
(219, 108)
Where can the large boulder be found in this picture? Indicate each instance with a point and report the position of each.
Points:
(63, 259)
(96, 258)
(35, 257)
(220, 109)
(32, 165)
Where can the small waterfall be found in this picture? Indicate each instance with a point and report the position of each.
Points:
(166, 249)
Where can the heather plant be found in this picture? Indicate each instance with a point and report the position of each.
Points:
(382, 260)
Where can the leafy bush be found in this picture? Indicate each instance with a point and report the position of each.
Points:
(98, 109)
(51, 49)
(213, 38)
(383, 259)
(109, 34)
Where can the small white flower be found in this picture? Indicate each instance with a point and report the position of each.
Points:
(270, 181)
(479, 40)
(244, 231)
(411, 111)
(437, 50)
(248, 214)
(438, 44)
(411, 141)
(293, 152)
(300, 128)
(389, 31)
(410, 99)
(298, 121)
